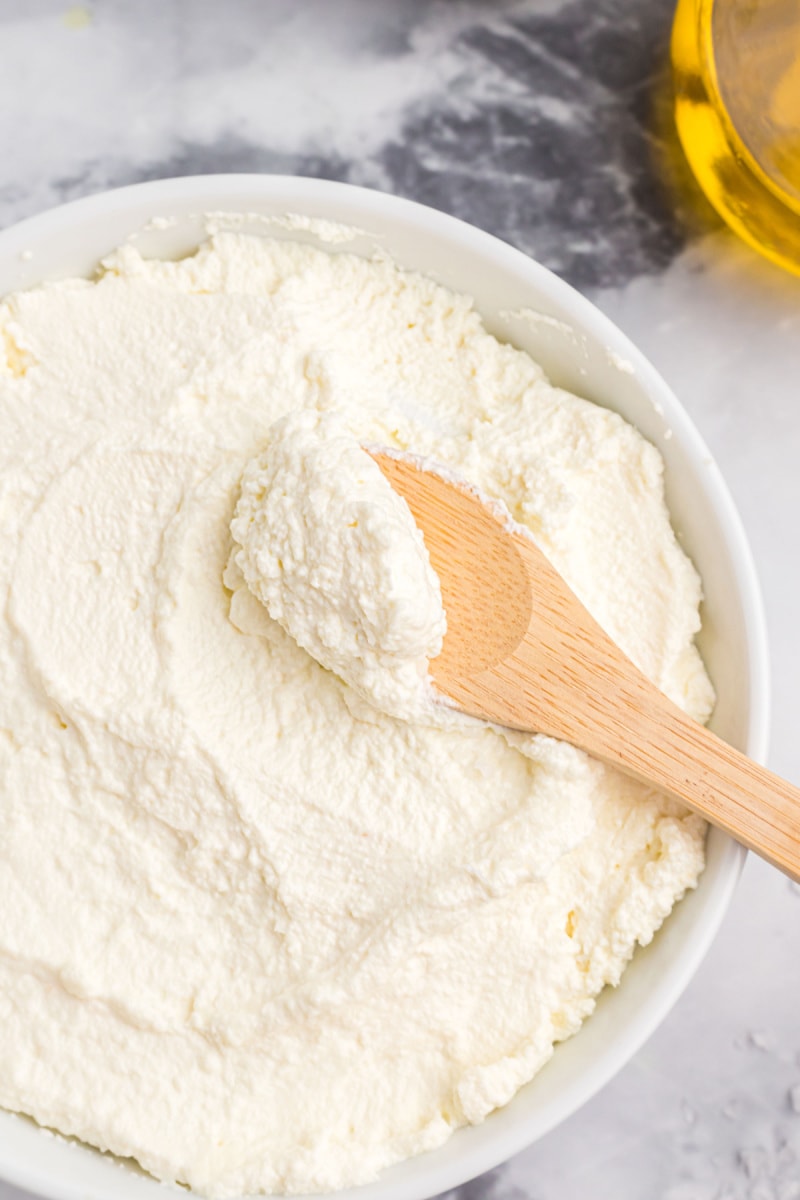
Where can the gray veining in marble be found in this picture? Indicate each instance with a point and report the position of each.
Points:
(547, 123)
(534, 121)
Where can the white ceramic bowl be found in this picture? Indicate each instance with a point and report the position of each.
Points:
(584, 352)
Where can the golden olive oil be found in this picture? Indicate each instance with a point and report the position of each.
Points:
(736, 69)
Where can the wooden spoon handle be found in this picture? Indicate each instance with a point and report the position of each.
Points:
(567, 678)
(648, 736)
(657, 743)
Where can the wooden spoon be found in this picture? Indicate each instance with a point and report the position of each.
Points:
(522, 651)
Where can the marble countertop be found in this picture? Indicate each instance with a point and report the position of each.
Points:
(547, 123)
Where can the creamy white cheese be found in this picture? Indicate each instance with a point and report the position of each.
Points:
(333, 553)
(256, 935)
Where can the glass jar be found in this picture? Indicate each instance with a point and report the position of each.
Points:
(737, 105)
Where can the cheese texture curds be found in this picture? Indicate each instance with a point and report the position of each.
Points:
(259, 933)
(333, 553)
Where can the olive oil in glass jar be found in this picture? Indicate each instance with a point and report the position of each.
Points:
(736, 67)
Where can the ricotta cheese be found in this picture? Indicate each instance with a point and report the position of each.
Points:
(335, 556)
(258, 934)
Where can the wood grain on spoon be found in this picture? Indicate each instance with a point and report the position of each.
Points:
(522, 651)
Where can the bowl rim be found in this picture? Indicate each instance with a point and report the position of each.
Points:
(298, 193)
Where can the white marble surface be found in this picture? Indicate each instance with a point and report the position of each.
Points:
(549, 124)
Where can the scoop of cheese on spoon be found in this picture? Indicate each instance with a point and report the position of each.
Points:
(334, 555)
